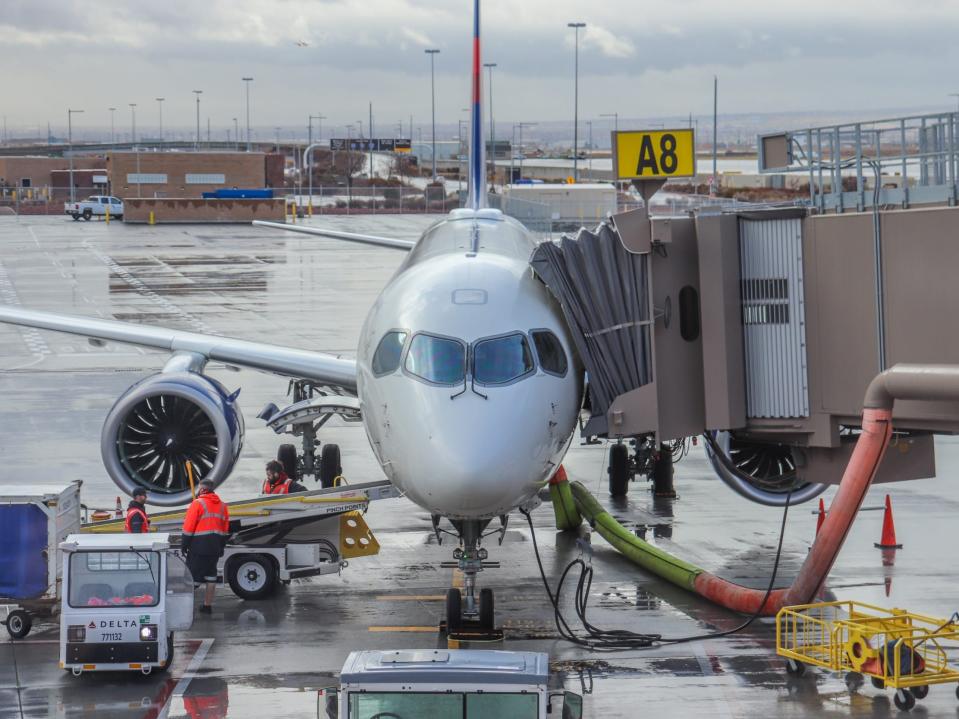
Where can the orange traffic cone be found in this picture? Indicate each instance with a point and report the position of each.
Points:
(888, 540)
(822, 516)
(119, 508)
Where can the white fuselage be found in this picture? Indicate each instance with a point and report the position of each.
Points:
(449, 449)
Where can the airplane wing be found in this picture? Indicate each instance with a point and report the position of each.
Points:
(286, 361)
(405, 245)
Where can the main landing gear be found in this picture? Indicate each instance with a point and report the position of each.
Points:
(468, 616)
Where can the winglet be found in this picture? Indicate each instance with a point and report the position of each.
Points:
(477, 167)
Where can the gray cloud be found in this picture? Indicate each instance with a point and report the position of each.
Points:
(637, 58)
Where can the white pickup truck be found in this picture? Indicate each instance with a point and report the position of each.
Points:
(93, 206)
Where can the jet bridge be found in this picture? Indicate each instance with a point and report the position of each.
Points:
(759, 327)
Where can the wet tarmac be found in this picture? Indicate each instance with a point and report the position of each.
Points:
(270, 658)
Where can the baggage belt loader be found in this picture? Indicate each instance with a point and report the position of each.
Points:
(278, 538)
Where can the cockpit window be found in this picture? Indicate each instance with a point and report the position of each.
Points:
(501, 359)
(552, 358)
(386, 359)
(437, 359)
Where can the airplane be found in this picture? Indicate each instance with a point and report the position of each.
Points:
(302, 43)
(467, 383)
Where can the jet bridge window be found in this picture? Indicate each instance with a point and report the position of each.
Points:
(386, 359)
(499, 360)
(552, 358)
(437, 359)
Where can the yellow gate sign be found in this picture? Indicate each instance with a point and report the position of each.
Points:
(642, 154)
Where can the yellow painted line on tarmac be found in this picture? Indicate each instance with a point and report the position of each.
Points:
(452, 643)
(410, 598)
(418, 630)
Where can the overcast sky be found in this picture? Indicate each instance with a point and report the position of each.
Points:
(640, 58)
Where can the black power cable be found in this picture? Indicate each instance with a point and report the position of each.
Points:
(598, 639)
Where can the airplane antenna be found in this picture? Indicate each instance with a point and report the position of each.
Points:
(477, 166)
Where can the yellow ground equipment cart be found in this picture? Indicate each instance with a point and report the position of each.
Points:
(895, 648)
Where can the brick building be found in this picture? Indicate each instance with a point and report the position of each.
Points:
(37, 173)
(184, 174)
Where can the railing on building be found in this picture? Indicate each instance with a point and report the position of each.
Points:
(900, 161)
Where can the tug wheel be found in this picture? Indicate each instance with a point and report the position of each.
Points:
(19, 624)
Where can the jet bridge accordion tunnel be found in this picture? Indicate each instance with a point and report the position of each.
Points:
(761, 330)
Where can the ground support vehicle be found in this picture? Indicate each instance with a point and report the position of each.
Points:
(124, 596)
(448, 684)
(95, 206)
(278, 538)
(33, 522)
(894, 647)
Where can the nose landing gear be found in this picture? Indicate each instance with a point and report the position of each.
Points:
(469, 618)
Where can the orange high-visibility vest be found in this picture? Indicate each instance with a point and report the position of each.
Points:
(208, 515)
(281, 487)
(146, 520)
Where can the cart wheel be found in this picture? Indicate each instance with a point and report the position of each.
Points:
(169, 653)
(796, 669)
(251, 577)
(904, 700)
(877, 682)
(920, 692)
(19, 623)
(854, 681)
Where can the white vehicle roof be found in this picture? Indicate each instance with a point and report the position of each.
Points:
(17, 493)
(150, 542)
(460, 666)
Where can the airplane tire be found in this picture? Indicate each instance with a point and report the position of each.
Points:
(330, 467)
(454, 610)
(618, 470)
(286, 455)
(486, 613)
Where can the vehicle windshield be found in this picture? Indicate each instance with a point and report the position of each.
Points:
(501, 359)
(437, 359)
(114, 579)
(413, 705)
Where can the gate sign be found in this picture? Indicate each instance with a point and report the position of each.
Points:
(654, 154)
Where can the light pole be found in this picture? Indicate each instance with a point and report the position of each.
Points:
(133, 122)
(113, 134)
(160, 108)
(576, 26)
(521, 125)
(615, 116)
(196, 145)
(712, 189)
(236, 136)
(247, 81)
(433, 53)
(492, 146)
(589, 144)
(70, 114)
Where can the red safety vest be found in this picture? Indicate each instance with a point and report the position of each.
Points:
(208, 515)
(146, 520)
(281, 487)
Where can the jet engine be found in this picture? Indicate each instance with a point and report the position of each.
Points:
(761, 471)
(163, 424)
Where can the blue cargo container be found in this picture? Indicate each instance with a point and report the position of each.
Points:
(236, 194)
(33, 522)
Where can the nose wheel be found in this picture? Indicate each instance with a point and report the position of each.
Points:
(470, 617)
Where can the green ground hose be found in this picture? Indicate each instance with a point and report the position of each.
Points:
(632, 547)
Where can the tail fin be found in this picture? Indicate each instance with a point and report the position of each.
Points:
(477, 166)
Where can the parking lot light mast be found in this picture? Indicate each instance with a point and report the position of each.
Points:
(433, 53)
(247, 81)
(70, 114)
(113, 134)
(196, 145)
(576, 26)
(160, 107)
(236, 136)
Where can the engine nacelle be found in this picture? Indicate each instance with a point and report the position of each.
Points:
(760, 471)
(162, 423)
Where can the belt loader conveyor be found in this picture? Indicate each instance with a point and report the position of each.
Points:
(278, 538)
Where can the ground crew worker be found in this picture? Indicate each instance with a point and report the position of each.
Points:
(206, 529)
(277, 481)
(137, 521)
